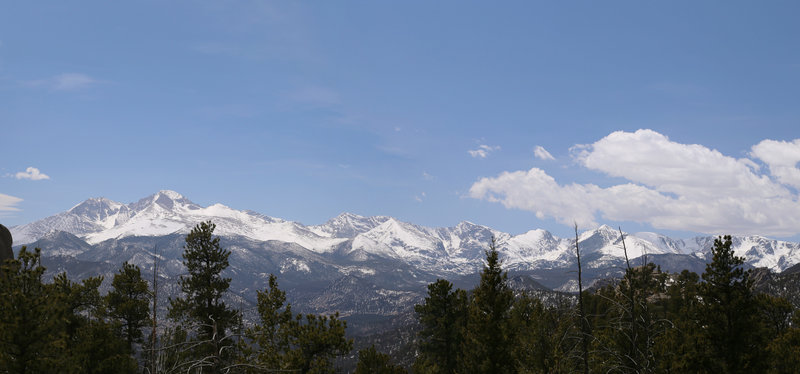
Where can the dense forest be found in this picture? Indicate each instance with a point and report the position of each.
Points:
(648, 321)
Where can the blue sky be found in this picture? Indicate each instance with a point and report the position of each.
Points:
(431, 112)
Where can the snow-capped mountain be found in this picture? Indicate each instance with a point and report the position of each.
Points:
(443, 250)
(167, 212)
(372, 270)
(347, 225)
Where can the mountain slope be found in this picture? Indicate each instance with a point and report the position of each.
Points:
(443, 250)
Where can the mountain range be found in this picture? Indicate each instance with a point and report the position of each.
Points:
(372, 270)
(359, 266)
(456, 250)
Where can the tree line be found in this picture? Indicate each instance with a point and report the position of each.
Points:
(648, 322)
(69, 327)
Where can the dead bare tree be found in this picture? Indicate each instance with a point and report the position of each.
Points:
(154, 332)
(584, 321)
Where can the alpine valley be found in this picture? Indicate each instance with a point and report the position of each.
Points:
(373, 270)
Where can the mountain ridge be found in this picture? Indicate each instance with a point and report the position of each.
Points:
(457, 249)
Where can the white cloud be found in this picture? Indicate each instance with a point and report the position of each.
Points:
(781, 158)
(31, 173)
(419, 198)
(427, 176)
(542, 153)
(649, 158)
(483, 151)
(7, 202)
(670, 186)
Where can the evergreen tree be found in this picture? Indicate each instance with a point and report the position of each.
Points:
(776, 313)
(202, 306)
(128, 302)
(370, 361)
(487, 347)
(316, 341)
(681, 348)
(784, 349)
(625, 323)
(729, 314)
(442, 319)
(270, 338)
(293, 343)
(30, 338)
(537, 339)
(92, 345)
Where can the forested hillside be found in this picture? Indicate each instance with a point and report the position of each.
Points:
(725, 320)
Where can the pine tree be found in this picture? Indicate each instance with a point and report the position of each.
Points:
(538, 336)
(316, 340)
(30, 338)
(784, 349)
(487, 348)
(202, 306)
(92, 344)
(270, 338)
(293, 343)
(680, 348)
(128, 302)
(729, 314)
(625, 324)
(442, 319)
(370, 361)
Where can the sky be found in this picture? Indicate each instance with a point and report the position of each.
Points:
(678, 117)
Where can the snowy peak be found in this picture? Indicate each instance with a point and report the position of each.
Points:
(533, 239)
(97, 207)
(458, 249)
(348, 225)
(400, 234)
(395, 239)
(664, 243)
(535, 246)
(597, 239)
(164, 200)
(764, 252)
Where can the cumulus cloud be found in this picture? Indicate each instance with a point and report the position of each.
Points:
(8, 202)
(483, 151)
(781, 158)
(542, 153)
(669, 186)
(31, 173)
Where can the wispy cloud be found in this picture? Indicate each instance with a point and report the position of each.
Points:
(542, 153)
(316, 96)
(483, 151)
(670, 186)
(72, 81)
(278, 31)
(427, 176)
(419, 198)
(8, 202)
(65, 82)
(31, 173)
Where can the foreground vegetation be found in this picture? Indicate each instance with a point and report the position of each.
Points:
(647, 322)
